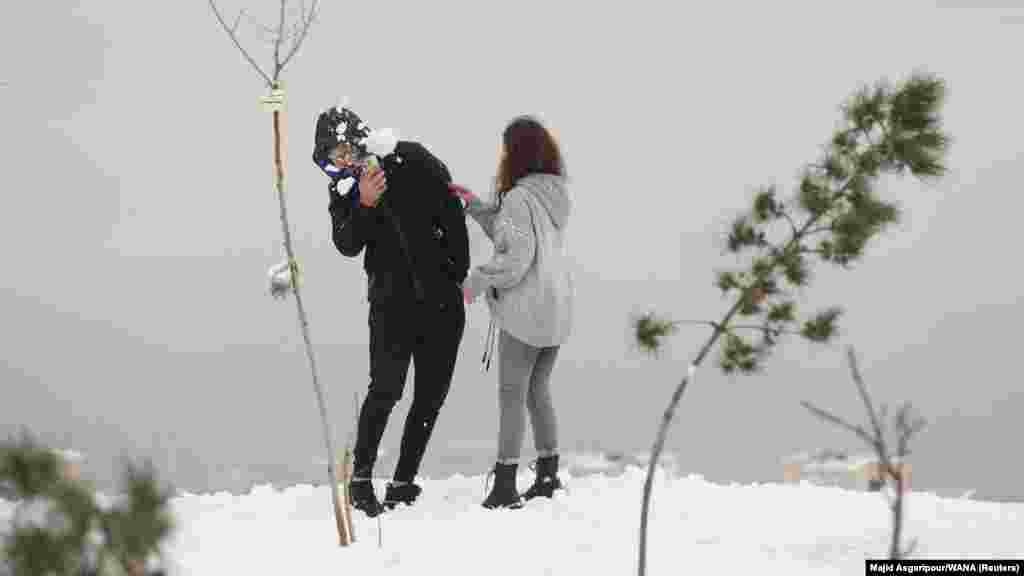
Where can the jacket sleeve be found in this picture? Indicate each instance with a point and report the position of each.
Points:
(485, 213)
(514, 248)
(350, 222)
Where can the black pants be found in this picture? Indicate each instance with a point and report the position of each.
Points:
(429, 334)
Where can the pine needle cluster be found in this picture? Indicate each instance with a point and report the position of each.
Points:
(60, 528)
(831, 218)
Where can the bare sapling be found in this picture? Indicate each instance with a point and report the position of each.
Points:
(287, 37)
(891, 465)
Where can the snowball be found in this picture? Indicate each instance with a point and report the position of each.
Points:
(278, 269)
(381, 142)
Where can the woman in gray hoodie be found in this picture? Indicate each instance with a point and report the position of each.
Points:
(529, 289)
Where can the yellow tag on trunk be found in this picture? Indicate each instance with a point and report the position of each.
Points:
(274, 102)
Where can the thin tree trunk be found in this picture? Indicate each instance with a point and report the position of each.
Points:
(666, 420)
(339, 515)
(895, 549)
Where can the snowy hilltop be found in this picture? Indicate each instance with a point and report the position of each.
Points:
(591, 529)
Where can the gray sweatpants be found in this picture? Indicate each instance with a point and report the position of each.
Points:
(524, 376)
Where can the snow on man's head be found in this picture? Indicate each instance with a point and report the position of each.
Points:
(338, 126)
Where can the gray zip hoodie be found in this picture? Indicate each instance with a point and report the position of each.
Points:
(530, 269)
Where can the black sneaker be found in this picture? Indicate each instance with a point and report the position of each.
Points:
(363, 497)
(401, 493)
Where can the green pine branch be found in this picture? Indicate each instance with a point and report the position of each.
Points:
(60, 529)
(832, 218)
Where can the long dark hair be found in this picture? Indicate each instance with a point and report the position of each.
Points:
(529, 149)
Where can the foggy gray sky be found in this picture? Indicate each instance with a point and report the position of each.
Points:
(138, 219)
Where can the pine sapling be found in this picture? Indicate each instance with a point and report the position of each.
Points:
(833, 216)
(60, 528)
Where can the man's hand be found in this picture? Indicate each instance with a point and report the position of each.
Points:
(371, 186)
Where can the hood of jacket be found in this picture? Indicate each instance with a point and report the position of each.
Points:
(552, 193)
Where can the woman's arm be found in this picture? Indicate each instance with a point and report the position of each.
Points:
(514, 248)
(485, 213)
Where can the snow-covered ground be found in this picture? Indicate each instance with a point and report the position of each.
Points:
(591, 529)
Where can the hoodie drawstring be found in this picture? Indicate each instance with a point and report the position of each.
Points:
(489, 344)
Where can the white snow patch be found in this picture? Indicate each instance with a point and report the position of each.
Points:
(591, 528)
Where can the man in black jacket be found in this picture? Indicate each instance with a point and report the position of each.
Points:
(414, 240)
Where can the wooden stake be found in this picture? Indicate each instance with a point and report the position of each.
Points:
(304, 325)
(345, 526)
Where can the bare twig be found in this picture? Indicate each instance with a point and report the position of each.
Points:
(862, 389)
(695, 323)
(277, 42)
(770, 329)
(308, 19)
(789, 219)
(833, 419)
(716, 325)
(867, 136)
(906, 428)
(292, 31)
(238, 19)
(910, 548)
(819, 229)
(234, 38)
(263, 27)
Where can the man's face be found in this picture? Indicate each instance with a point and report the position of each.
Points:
(343, 157)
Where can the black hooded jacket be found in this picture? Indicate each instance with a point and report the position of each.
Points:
(415, 239)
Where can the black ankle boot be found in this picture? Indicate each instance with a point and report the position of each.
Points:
(546, 481)
(503, 493)
(363, 497)
(401, 493)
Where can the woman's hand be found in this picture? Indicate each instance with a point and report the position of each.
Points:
(462, 192)
(467, 295)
